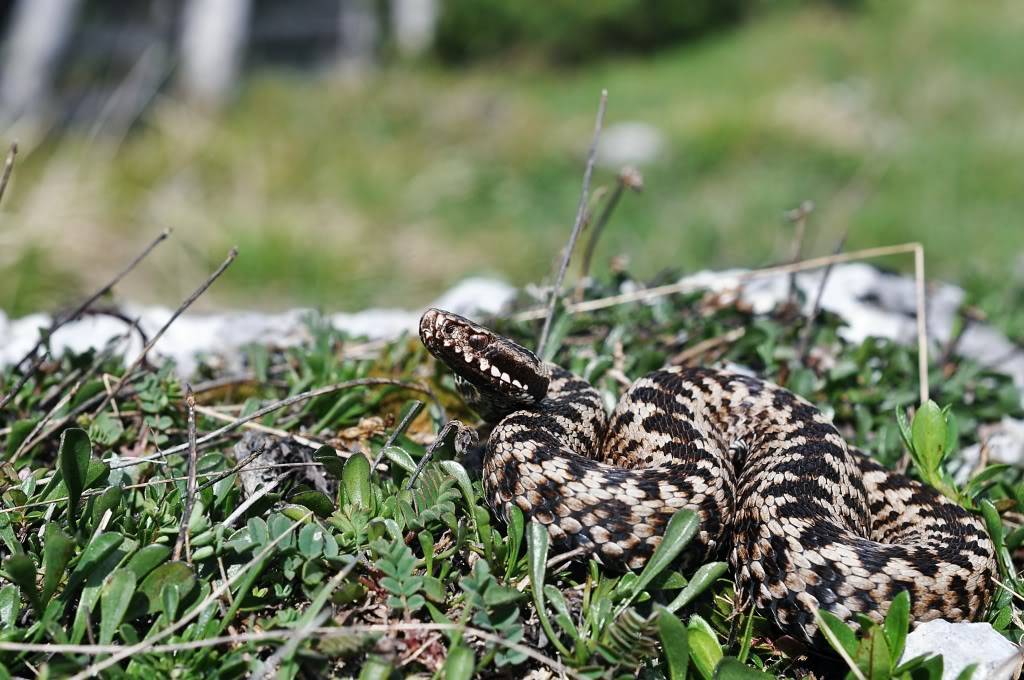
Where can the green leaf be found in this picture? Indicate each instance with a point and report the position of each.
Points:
(562, 615)
(10, 604)
(705, 652)
(311, 541)
(537, 551)
(19, 431)
(147, 559)
(106, 429)
(332, 462)
(977, 483)
(399, 457)
(58, 550)
(929, 435)
(170, 573)
(375, 668)
(117, 595)
(170, 597)
(704, 577)
(516, 528)
(734, 669)
(994, 524)
(681, 529)
(22, 571)
(100, 546)
(968, 672)
(108, 500)
(897, 622)
(73, 456)
(873, 655)
(461, 477)
(315, 501)
(837, 633)
(460, 663)
(259, 533)
(674, 642)
(356, 479)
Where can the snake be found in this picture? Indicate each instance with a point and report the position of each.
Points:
(808, 522)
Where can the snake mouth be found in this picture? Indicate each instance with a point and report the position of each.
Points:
(483, 358)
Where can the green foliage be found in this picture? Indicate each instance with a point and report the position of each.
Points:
(874, 651)
(573, 31)
(89, 534)
(397, 562)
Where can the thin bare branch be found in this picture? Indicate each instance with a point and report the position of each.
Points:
(213, 414)
(112, 393)
(628, 178)
(705, 346)
(284, 634)
(689, 286)
(238, 467)
(60, 320)
(798, 216)
(277, 405)
(190, 485)
(434, 446)
(12, 153)
(808, 331)
(922, 323)
(407, 419)
(581, 210)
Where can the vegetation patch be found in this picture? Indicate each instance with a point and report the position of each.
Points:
(166, 530)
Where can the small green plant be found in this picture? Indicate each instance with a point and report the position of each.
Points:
(874, 652)
(350, 568)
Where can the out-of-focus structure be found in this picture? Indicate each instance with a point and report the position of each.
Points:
(56, 52)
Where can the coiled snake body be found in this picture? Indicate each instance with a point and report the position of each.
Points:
(807, 522)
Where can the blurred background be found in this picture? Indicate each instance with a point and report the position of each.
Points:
(373, 152)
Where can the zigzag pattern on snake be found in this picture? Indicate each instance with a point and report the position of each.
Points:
(806, 521)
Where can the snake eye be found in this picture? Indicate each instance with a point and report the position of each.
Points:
(478, 341)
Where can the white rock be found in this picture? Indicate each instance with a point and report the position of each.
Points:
(962, 644)
(629, 143)
(194, 335)
(874, 303)
(1005, 442)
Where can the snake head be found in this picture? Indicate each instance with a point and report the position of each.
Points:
(494, 374)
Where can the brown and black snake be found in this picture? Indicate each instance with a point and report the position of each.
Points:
(807, 521)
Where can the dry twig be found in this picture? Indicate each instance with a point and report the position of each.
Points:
(62, 319)
(798, 216)
(277, 405)
(808, 331)
(407, 419)
(190, 485)
(628, 178)
(12, 153)
(581, 210)
(112, 393)
(813, 263)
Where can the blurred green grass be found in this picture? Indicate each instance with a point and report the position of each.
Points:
(901, 122)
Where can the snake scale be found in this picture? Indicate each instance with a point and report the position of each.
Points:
(807, 522)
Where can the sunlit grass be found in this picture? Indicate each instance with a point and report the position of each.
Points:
(899, 122)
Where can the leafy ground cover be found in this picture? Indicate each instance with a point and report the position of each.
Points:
(354, 553)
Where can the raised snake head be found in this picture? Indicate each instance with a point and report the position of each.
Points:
(494, 375)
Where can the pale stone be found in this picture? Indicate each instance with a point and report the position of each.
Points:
(962, 644)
